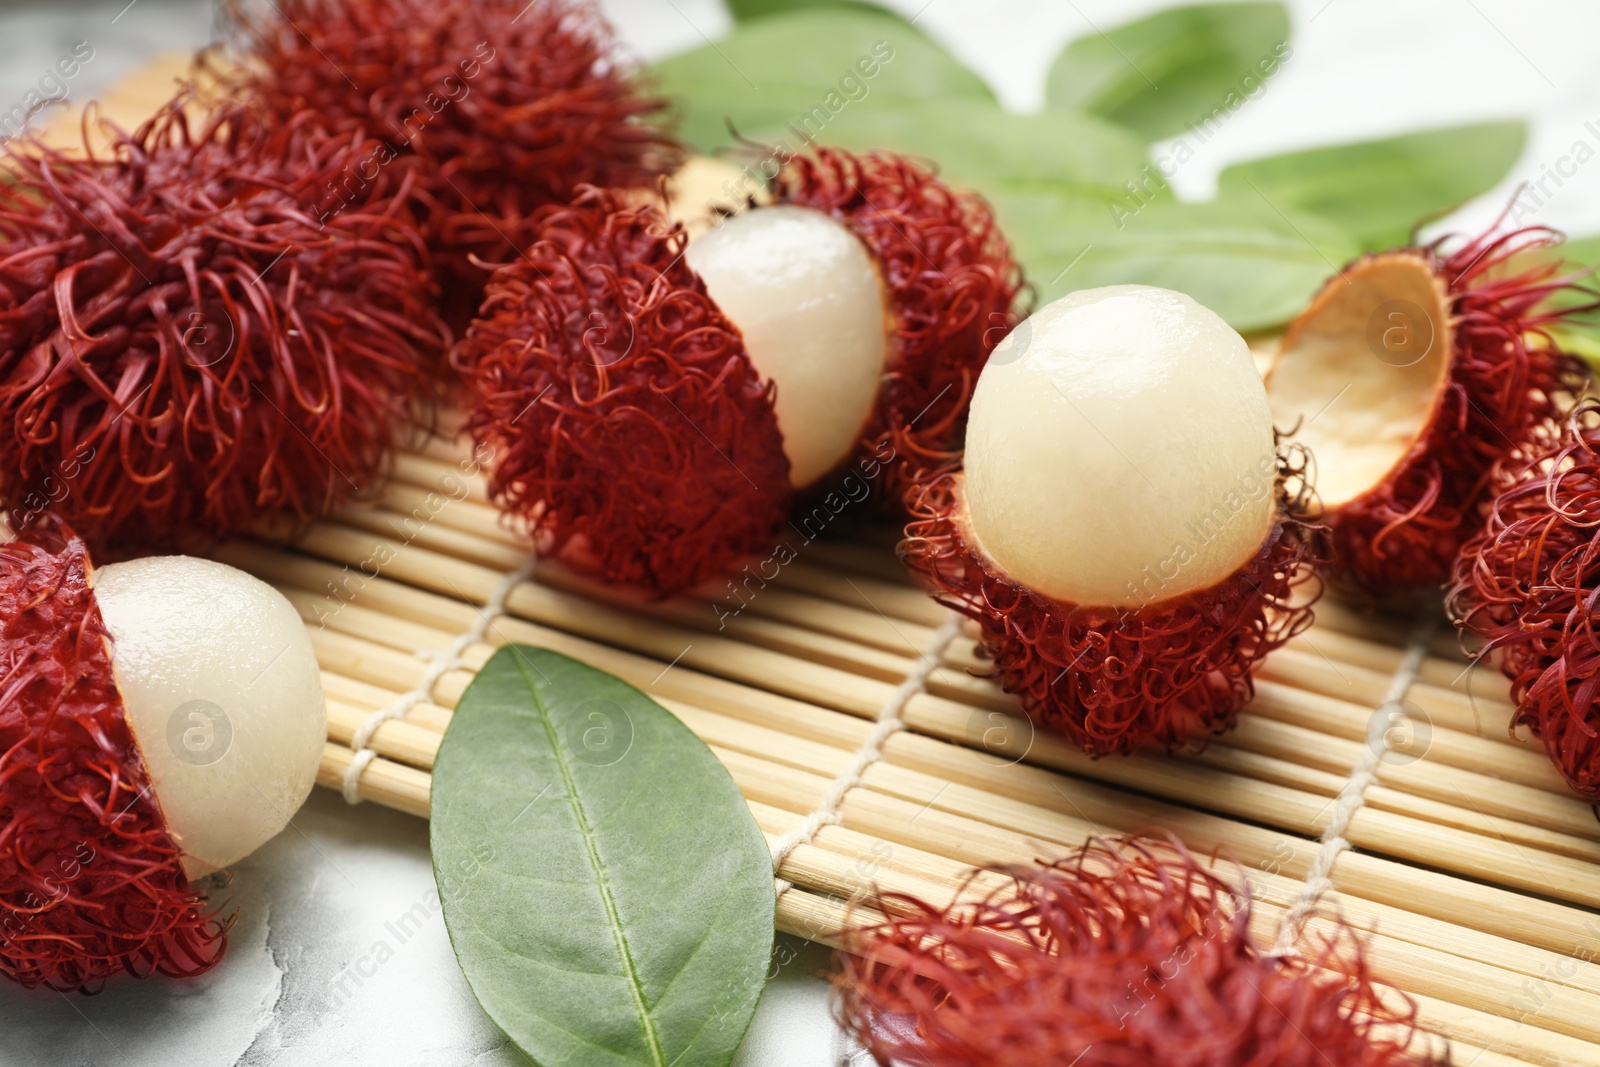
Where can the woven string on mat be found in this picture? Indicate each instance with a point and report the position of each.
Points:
(441, 661)
(887, 725)
(1353, 795)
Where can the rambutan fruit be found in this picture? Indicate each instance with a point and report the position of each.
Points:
(656, 404)
(160, 719)
(194, 337)
(1129, 951)
(1124, 532)
(504, 105)
(1406, 378)
(1528, 585)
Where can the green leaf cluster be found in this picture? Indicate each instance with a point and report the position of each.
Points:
(1081, 187)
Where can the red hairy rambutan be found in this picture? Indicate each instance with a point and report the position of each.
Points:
(505, 105)
(827, 341)
(194, 337)
(1408, 376)
(953, 286)
(1528, 585)
(1116, 679)
(160, 719)
(625, 421)
(1128, 951)
(91, 883)
(1125, 531)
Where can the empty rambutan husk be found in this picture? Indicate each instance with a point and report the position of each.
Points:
(91, 883)
(1528, 586)
(642, 431)
(195, 338)
(1129, 951)
(504, 105)
(1408, 376)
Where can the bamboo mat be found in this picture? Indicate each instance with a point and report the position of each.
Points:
(1476, 872)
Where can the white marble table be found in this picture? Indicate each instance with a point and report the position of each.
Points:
(299, 986)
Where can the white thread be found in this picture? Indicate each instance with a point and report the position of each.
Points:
(871, 751)
(441, 661)
(1352, 796)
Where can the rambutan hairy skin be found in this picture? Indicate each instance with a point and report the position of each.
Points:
(505, 105)
(954, 292)
(1528, 584)
(621, 416)
(1161, 676)
(1129, 951)
(91, 884)
(194, 338)
(1508, 384)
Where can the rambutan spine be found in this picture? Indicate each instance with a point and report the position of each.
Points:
(503, 106)
(196, 338)
(628, 426)
(954, 291)
(91, 883)
(1129, 950)
(1528, 585)
(1169, 674)
(1507, 383)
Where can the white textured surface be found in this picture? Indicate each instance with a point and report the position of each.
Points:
(315, 900)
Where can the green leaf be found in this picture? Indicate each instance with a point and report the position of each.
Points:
(1254, 266)
(1160, 74)
(609, 895)
(745, 10)
(977, 145)
(807, 67)
(1580, 334)
(1378, 191)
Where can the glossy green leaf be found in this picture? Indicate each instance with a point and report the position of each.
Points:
(619, 906)
(1579, 334)
(1378, 191)
(977, 145)
(807, 68)
(1255, 267)
(744, 10)
(1159, 75)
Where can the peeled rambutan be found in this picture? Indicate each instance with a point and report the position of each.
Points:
(194, 337)
(160, 719)
(1125, 532)
(1408, 376)
(1129, 951)
(1528, 585)
(504, 105)
(656, 404)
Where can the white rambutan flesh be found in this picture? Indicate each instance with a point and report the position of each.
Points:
(223, 694)
(1120, 450)
(809, 301)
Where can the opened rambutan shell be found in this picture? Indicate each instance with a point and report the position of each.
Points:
(91, 882)
(194, 338)
(625, 420)
(1129, 951)
(1453, 349)
(1528, 585)
(953, 287)
(1163, 675)
(506, 105)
